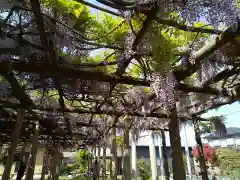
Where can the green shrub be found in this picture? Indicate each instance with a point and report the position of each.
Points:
(144, 169)
(81, 159)
(228, 160)
(67, 169)
(81, 177)
(185, 160)
(235, 175)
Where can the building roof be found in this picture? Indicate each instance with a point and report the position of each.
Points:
(231, 133)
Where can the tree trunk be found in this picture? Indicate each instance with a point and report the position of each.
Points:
(134, 157)
(203, 167)
(114, 154)
(33, 155)
(122, 160)
(44, 166)
(91, 159)
(54, 163)
(95, 161)
(164, 155)
(187, 152)
(23, 162)
(53, 166)
(13, 146)
(57, 171)
(104, 161)
(58, 162)
(98, 162)
(177, 154)
(153, 158)
(23, 150)
(1, 147)
(126, 154)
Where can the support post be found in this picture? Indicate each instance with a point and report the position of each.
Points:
(114, 154)
(153, 157)
(134, 157)
(160, 156)
(13, 146)
(187, 152)
(203, 167)
(164, 155)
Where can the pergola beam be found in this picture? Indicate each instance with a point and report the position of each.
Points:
(224, 38)
(82, 111)
(43, 68)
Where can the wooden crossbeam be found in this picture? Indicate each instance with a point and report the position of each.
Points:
(46, 69)
(224, 38)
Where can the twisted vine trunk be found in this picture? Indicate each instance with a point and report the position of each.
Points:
(55, 161)
(164, 156)
(203, 167)
(177, 157)
(91, 159)
(98, 162)
(23, 161)
(95, 162)
(33, 155)
(59, 160)
(104, 161)
(163, 85)
(13, 146)
(121, 146)
(44, 166)
(126, 153)
(53, 166)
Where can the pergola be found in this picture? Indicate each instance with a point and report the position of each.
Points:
(89, 102)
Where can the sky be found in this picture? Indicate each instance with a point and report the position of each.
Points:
(231, 112)
(96, 12)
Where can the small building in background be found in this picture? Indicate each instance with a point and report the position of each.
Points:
(231, 140)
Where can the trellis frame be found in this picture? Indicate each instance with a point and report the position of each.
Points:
(50, 68)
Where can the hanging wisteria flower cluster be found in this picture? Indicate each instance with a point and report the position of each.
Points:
(163, 85)
(215, 11)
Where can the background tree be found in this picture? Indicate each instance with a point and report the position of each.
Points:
(215, 124)
(81, 159)
(144, 169)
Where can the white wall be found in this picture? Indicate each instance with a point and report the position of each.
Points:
(223, 142)
(144, 140)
